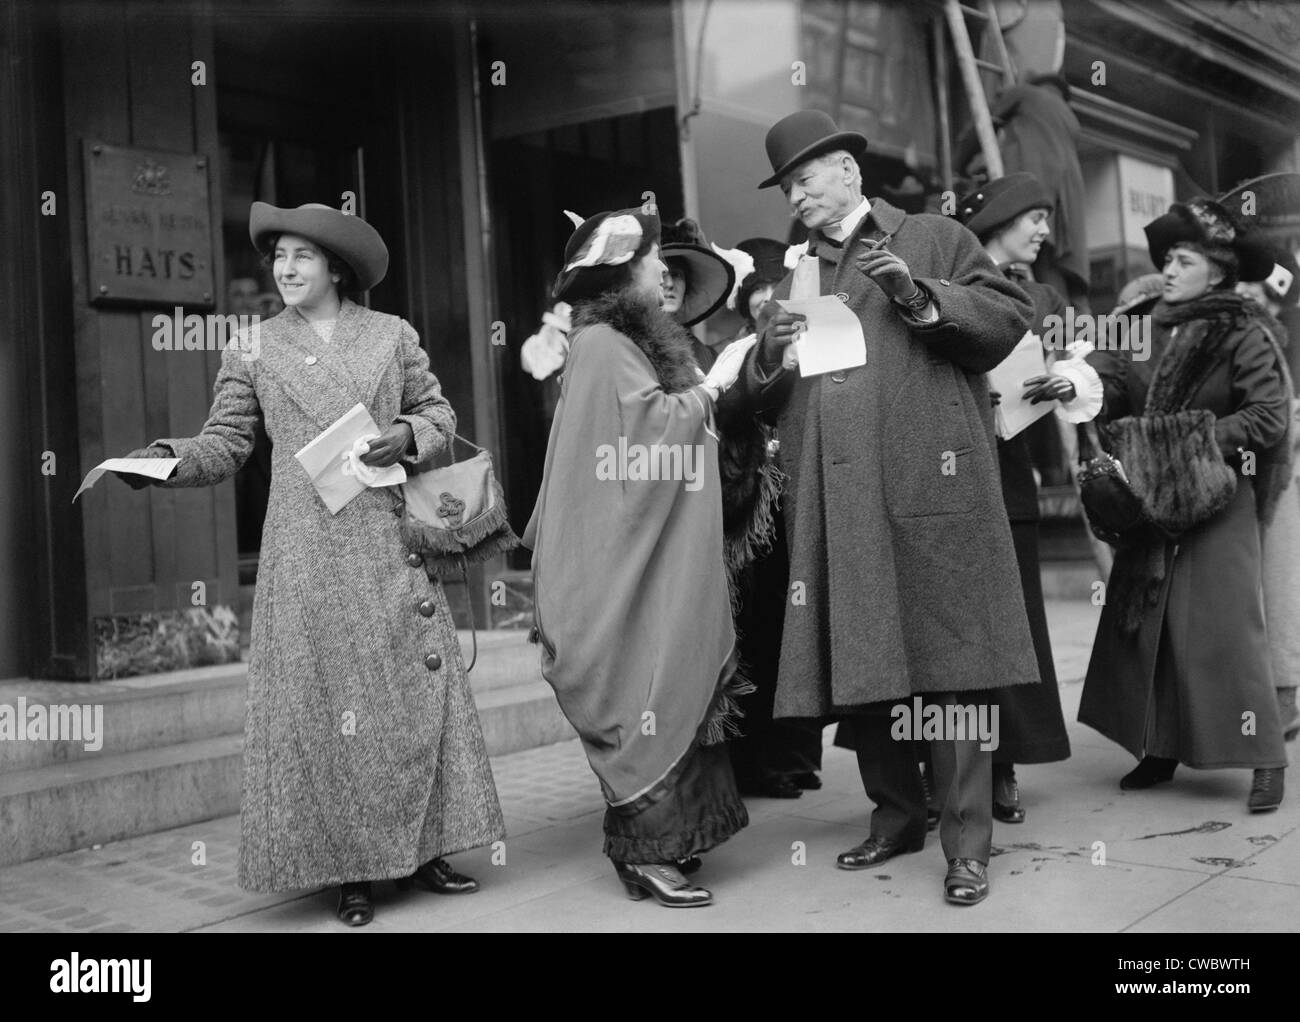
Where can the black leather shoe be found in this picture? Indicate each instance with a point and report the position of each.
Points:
(662, 881)
(774, 786)
(355, 907)
(1151, 771)
(438, 877)
(967, 882)
(1265, 791)
(1006, 794)
(808, 782)
(691, 864)
(872, 852)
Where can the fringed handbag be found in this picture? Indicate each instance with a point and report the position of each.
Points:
(456, 516)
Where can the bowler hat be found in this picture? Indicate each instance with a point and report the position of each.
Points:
(599, 248)
(799, 137)
(347, 236)
(1208, 226)
(999, 202)
(709, 277)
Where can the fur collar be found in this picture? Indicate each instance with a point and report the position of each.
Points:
(661, 339)
(1206, 325)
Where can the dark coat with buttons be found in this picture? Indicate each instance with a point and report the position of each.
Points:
(363, 753)
(903, 575)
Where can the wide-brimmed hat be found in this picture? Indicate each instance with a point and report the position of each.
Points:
(600, 247)
(999, 202)
(347, 236)
(709, 277)
(799, 137)
(1212, 229)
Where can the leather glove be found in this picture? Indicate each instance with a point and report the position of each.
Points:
(389, 447)
(776, 328)
(140, 482)
(727, 366)
(1048, 388)
(889, 272)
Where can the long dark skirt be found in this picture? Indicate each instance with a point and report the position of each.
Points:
(1031, 726)
(700, 811)
(768, 748)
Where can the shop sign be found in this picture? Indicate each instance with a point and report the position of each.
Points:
(148, 227)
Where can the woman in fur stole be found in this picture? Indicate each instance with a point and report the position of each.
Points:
(631, 601)
(1180, 669)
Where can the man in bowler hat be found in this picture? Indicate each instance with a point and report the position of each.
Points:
(903, 580)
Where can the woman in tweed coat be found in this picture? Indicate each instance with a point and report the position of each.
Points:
(363, 758)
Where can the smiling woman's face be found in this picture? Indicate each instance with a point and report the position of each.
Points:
(1024, 237)
(302, 273)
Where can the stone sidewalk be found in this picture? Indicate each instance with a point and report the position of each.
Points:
(1185, 857)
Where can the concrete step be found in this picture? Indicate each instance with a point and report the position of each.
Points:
(146, 712)
(521, 717)
(72, 805)
(172, 745)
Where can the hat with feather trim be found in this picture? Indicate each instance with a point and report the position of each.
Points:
(1209, 228)
(599, 248)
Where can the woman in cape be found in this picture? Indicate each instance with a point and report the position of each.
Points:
(1010, 218)
(363, 755)
(631, 603)
(1180, 668)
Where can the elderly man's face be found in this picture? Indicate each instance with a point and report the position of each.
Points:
(820, 192)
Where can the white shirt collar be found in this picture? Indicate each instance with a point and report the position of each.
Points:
(843, 229)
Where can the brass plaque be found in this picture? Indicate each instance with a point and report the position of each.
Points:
(148, 226)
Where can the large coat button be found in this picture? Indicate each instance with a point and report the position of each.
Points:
(837, 377)
(414, 559)
(842, 296)
(433, 661)
(311, 360)
(426, 608)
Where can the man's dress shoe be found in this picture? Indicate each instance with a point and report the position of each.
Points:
(872, 852)
(808, 782)
(967, 882)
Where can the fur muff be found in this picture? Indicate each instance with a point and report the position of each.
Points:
(1174, 465)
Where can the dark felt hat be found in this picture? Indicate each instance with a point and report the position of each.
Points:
(799, 137)
(1209, 227)
(594, 259)
(999, 202)
(709, 277)
(347, 236)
